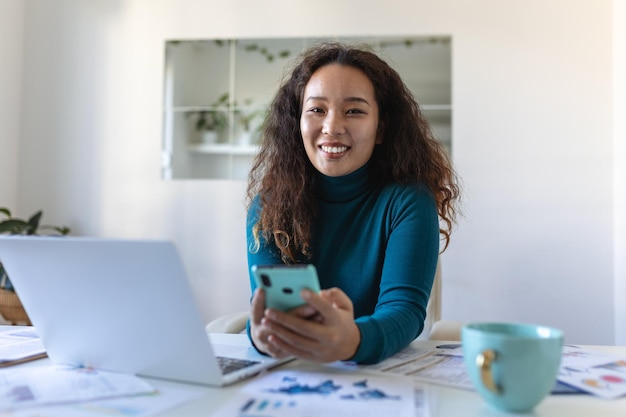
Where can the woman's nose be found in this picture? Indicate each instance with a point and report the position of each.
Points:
(333, 125)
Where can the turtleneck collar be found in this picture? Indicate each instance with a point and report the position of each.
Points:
(344, 188)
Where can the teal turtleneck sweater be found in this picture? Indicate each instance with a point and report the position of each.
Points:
(379, 244)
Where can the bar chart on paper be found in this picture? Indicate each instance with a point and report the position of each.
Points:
(295, 393)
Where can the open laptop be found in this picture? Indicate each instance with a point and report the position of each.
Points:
(120, 305)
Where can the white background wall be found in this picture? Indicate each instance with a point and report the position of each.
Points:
(11, 28)
(533, 140)
(619, 160)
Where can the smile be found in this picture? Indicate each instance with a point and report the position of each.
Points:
(334, 149)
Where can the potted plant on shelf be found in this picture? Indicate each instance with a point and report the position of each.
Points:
(245, 116)
(11, 308)
(211, 122)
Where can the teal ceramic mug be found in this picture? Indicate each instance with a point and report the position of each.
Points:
(513, 366)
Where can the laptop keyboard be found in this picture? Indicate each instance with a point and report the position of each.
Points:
(229, 365)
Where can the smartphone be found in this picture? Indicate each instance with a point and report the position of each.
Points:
(283, 283)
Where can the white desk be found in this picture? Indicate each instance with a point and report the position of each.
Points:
(444, 401)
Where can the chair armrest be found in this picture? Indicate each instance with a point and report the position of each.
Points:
(229, 323)
(446, 330)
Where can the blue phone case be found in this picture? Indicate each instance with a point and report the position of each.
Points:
(283, 284)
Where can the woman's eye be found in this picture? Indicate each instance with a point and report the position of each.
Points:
(316, 110)
(355, 111)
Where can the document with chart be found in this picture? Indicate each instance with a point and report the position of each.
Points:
(312, 393)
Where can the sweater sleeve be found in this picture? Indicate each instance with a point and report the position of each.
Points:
(264, 255)
(410, 260)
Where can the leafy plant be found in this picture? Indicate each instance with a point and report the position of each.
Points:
(266, 53)
(246, 115)
(215, 119)
(15, 226)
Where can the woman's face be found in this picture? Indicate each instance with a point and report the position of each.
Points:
(339, 120)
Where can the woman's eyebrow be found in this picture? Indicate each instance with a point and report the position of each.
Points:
(320, 98)
(354, 99)
(357, 100)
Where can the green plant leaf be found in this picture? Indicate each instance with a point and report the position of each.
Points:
(34, 222)
(62, 230)
(5, 211)
(5, 282)
(223, 99)
(15, 227)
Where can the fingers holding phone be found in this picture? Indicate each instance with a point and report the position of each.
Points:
(279, 287)
(332, 336)
(260, 329)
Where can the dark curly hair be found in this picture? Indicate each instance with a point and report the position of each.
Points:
(282, 175)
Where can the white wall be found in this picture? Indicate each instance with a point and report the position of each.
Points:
(532, 139)
(619, 125)
(11, 20)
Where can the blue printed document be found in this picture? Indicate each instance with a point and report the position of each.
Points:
(301, 393)
(597, 373)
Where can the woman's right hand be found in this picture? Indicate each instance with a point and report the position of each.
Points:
(260, 332)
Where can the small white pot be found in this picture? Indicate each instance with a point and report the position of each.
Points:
(209, 136)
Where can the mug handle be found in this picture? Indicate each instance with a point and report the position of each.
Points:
(484, 360)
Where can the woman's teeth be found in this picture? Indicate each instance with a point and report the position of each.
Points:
(334, 149)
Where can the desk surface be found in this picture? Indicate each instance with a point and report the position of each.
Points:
(443, 401)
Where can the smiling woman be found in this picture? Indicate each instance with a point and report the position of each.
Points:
(339, 121)
(351, 179)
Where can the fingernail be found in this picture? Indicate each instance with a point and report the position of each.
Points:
(305, 294)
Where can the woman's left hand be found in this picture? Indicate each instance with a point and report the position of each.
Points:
(330, 336)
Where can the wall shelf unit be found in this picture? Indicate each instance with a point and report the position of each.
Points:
(225, 86)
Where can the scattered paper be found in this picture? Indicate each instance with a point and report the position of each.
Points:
(152, 404)
(331, 393)
(594, 372)
(19, 343)
(435, 366)
(53, 384)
